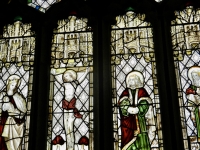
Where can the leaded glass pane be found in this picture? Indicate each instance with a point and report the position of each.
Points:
(71, 86)
(185, 40)
(17, 48)
(136, 108)
(42, 5)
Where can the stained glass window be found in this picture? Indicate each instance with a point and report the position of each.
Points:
(185, 40)
(71, 86)
(42, 5)
(17, 48)
(136, 108)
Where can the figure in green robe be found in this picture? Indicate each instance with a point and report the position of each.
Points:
(193, 96)
(135, 103)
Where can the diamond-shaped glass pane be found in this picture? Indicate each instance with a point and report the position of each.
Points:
(134, 70)
(185, 31)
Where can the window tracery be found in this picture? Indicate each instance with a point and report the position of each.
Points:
(17, 49)
(185, 40)
(134, 85)
(71, 92)
(42, 5)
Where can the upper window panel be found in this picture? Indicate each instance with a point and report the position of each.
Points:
(42, 5)
(136, 106)
(70, 124)
(17, 48)
(185, 34)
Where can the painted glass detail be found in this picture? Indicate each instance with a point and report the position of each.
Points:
(185, 34)
(17, 48)
(136, 108)
(71, 86)
(42, 5)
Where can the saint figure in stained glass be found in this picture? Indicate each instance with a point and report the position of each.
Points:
(135, 113)
(185, 33)
(193, 96)
(136, 108)
(13, 115)
(69, 80)
(70, 121)
(17, 50)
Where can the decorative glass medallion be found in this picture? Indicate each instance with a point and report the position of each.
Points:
(71, 86)
(42, 5)
(136, 108)
(17, 49)
(185, 34)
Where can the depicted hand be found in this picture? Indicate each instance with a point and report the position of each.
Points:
(197, 98)
(87, 69)
(133, 110)
(53, 71)
(8, 106)
(11, 107)
(6, 99)
(5, 106)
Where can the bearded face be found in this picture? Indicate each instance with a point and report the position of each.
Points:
(134, 82)
(67, 77)
(196, 78)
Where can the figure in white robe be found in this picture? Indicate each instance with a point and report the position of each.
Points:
(12, 115)
(69, 80)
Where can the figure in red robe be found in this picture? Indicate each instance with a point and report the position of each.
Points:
(135, 109)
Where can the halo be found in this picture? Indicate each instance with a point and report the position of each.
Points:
(16, 77)
(137, 73)
(193, 69)
(72, 72)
